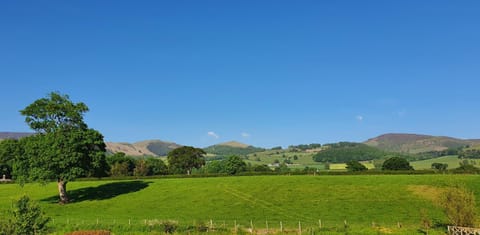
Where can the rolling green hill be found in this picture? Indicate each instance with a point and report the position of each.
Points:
(231, 148)
(413, 143)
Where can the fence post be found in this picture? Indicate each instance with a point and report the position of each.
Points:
(129, 222)
(266, 223)
(320, 223)
(211, 224)
(251, 226)
(299, 228)
(235, 226)
(281, 227)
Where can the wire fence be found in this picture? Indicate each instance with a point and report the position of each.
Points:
(219, 226)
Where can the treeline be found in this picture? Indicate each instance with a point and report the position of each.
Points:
(469, 153)
(348, 151)
(304, 147)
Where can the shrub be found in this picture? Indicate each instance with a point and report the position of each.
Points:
(7, 227)
(28, 219)
(459, 206)
(169, 226)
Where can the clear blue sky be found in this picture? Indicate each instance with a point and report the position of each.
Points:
(266, 73)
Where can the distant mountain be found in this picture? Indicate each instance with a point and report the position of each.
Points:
(232, 148)
(143, 148)
(14, 135)
(413, 143)
(234, 144)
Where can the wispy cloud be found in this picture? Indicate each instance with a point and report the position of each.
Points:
(359, 118)
(213, 134)
(245, 135)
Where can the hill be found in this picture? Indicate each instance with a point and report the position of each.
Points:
(232, 148)
(413, 143)
(14, 135)
(143, 148)
(346, 151)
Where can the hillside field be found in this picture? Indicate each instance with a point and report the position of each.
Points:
(360, 200)
(452, 161)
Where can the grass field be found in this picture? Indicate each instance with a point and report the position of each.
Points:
(452, 161)
(127, 206)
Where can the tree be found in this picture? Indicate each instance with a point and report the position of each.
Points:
(121, 165)
(396, 163)
(439, 166)
(355, 166)
(235, 165)
(156, 166)
(63, 149)
(184, 159)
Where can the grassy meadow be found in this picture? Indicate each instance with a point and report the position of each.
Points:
(362, 201)
(452, 161)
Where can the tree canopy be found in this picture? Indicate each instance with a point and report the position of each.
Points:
(345, 151)
(355, 166)
(54, 112)
(396, 164)
(184, 159)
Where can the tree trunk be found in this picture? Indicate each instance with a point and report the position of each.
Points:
(62, 190)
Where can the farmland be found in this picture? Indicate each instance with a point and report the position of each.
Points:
(126, 206)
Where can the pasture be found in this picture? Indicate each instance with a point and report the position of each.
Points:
(452, 161)
(371, 204)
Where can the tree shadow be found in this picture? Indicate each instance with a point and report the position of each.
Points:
(101, 192)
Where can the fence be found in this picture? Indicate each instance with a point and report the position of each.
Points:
(218, 226)
(454, 230)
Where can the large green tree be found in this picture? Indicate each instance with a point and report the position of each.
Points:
(396, 164)
(184, 159)
(63, 149)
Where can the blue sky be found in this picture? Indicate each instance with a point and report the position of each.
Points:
(266, 73)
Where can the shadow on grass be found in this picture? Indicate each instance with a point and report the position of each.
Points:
(101, 192)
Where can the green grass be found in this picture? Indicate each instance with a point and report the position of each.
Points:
(360, 200)
(452, 161)
(304, 159)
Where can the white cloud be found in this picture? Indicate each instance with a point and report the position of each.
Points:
(213, 134)
(359, 118)
(245, 135)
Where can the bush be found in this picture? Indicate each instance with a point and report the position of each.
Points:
(169, 226)
(7, 227)
(28, 219)
(459, 206)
